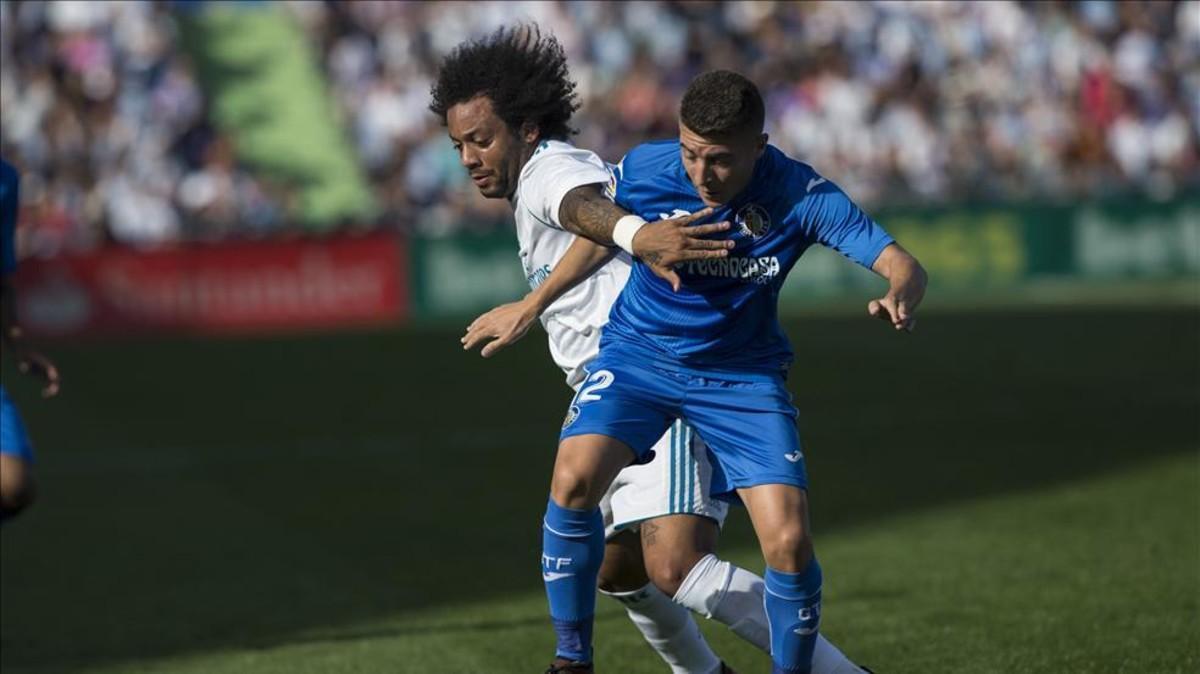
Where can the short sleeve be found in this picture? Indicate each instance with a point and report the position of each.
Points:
(831, 219)
(551, 176)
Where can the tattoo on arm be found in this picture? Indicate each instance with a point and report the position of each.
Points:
(586, 212)
(649, 530)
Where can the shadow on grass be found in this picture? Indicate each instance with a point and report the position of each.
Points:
(200, 495)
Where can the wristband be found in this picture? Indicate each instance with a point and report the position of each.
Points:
(624, 230)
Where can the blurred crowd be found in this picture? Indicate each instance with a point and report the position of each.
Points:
(899, 102)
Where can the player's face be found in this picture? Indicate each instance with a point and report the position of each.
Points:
(720, 167)
(490, 151)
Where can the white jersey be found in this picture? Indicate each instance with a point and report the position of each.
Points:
(574, 320)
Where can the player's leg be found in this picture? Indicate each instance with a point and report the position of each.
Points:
(615, 419)
(793, 579)
(681, 560)
(667, 627)
(16, 461)
(573, 536)
(16, 485)
(749, 424)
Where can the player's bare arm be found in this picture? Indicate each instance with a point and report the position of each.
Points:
(906, 280)
(508, 323)
(28, 360)
(661, 244)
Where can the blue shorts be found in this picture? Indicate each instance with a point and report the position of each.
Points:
(13, 438)
(747, 420)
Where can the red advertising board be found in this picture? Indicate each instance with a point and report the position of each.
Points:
(232, 287)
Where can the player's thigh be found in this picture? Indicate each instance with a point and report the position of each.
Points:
(672, 544)
(750, 428)
(624, 401)
(779, 513)
(584, 467)
(623, 569)
(16, 482)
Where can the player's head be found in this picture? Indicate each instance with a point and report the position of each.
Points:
(721, 134)
(498, 98)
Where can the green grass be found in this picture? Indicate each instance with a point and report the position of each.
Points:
(1001, 492)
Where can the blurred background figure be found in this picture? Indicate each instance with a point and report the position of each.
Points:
(905, 102)
(16, 450)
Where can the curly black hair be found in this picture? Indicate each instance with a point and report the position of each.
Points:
(721, 102)
(523, 73)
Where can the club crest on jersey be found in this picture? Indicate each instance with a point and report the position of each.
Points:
(572, 415)
(753, 220)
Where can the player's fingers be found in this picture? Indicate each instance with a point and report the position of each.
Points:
(889, 305)
(702, 254)
(698, 215)
(701, 230)
(673, 279)
(494, 346)
(710, 244)
(875, 309)
(473, 340)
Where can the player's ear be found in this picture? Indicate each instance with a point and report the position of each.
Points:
(762, 144)
(529, 132)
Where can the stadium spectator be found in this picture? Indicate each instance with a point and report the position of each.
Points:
(903, 102)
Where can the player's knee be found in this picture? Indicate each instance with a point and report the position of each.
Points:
(617, 577)
(669, 571)
(623, 569)
(788, 548)
(16, 495)
(573, 488)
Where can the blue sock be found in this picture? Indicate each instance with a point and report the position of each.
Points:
(572, 549)
(793, 603)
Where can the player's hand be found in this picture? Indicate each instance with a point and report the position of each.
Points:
(895, 309)
(31, 362)
(503, 325)
(663, 244)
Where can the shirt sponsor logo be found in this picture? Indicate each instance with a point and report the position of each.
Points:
(758, 270)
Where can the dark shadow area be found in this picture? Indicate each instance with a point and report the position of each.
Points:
(202, 494)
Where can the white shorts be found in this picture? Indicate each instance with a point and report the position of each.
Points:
(675, 482)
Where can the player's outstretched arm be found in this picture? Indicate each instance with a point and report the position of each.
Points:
(508, 323)
(906, 288)
(661, 244)
(28, 360)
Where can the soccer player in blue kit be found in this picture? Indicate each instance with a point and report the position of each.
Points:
(712, 353)
(16, 452)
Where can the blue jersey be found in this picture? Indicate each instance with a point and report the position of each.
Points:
(8, 217)
(725, 315)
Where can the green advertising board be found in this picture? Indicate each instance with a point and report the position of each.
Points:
(967, 251)
(464, 275)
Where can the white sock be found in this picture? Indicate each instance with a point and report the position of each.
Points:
(670, 630)
(732, 595)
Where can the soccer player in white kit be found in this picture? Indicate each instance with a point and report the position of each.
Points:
(506, 101)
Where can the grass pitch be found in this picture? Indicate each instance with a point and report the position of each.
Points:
(1001, 492)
